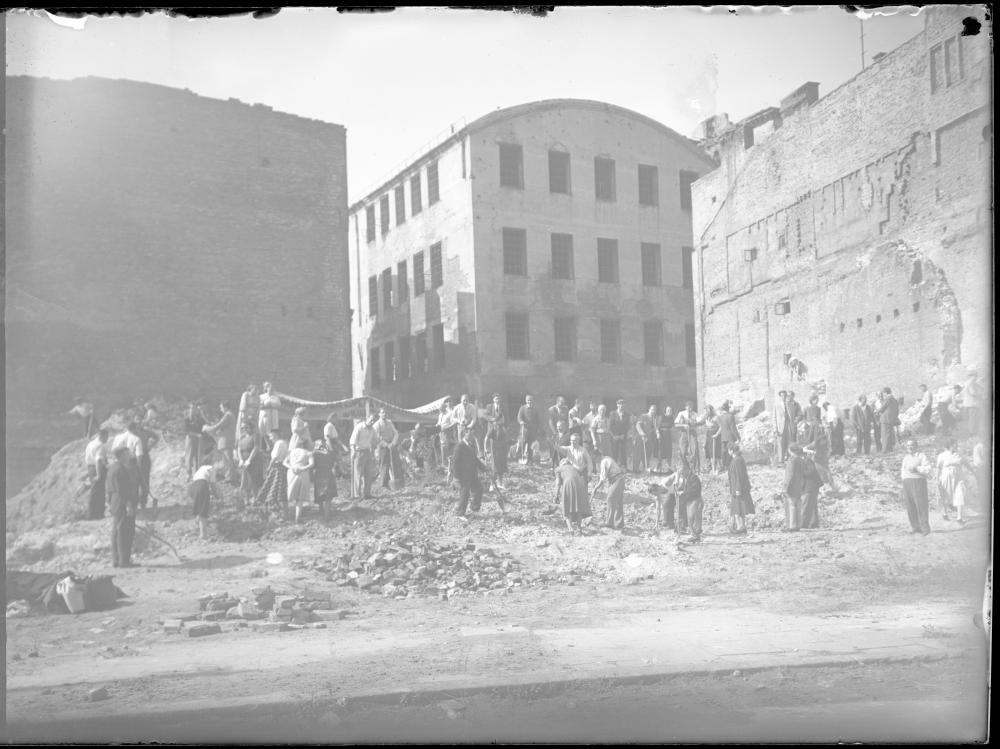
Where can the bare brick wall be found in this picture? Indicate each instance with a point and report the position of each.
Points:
(159, 242)
(831, 212)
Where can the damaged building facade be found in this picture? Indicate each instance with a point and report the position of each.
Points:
(544, 248)
(844, 242)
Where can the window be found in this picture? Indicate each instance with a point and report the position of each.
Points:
(418, 274)
(611, 334)
(416, 204)
(953, 71)
(433, 196)
(387, 288)
(607, 260)
(652, 335)
(784, 307)
(439, 359)
(687, 267)
(517, 335)
(604, 179)
(420, 346)
(370, 223)
(383, 209)
(649, 185)
(690, 353)
(651, 270)
(372, 296)
(404, 358)
(402, 282)
(562, 257)
(750, 255)
(400, 205)
(686, 178)
(564, 329)
(437, 269)
(390, 362)
(515, 252)
(375, 368)
(559, 180)
(511, 165)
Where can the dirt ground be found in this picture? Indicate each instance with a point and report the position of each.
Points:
(863, 556)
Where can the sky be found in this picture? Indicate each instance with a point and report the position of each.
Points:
(397, 81)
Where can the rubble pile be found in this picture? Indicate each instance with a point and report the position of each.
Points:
(757, 438)
(406, 566)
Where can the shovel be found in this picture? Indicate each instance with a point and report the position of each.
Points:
(151, 534)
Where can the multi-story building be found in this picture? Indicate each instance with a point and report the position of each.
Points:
(165, 243)
(544, 248)
(849, 236)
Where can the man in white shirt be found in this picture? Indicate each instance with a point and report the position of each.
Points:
(129, 439)
(362, 442)
(386, 439)
(688, 421)
(96, 456)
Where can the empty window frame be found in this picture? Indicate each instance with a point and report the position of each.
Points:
(372, 296)
(437, 267)
(649, 185)
(690, 351)
(611, 341)
(400, 195)
(387, 289)
(687, 267)
(515, 252)
(516, 325)
(390, 362)
(564, 333)
(562, 257)
(607, 260)
(686, 179)
(652, 271)
(652, 336)
(383, 209)
(433, 188)
(559, 174)
(439, 355)
(416, 201)
(604, 179)
(418, 274)
(402, 282)
(370, 223)
(511, 165)
(375, 368)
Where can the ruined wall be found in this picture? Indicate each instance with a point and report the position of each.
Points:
(160, 242)
(832, 211)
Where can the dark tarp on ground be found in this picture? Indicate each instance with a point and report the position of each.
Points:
(39, 590)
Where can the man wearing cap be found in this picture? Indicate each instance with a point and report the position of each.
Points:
(647, 427)
(362, 442)
(861, 421)
(557, 413)
(888, 416)
(495, 444)
(527, 419)
(620, 422)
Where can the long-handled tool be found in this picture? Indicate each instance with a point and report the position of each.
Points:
(145, 529)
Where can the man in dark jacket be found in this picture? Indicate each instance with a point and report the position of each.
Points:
(795, 487)
(527, 419)
(122, 485)
(728, 433)
(619, 423)
(466, 467)
(861, 422)
(888, 417)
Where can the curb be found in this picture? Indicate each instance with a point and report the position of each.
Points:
(78, 724)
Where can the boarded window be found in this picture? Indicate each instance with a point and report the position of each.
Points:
(416, 201)
(372, 296)
(517, 335)
(611, 341)
(607, 260)
(383, 209)
(564, 330)
(515, 252)
(400, 195)
(937, 67)
(439, 357)
(649, 185)
(375, 368)
(404, 358)
(402, 282)
(511, 165)
(652, 334)
(562, 257)
(687, 267)
(420, 352)
(418, 274)
(953, 61)
(370, 223)
(690, 352)
(686, 180)
(604, 179)
(437, 268)
(433, 195)
(387, 289)
(652, 274)
(559, 178)
(390, 362)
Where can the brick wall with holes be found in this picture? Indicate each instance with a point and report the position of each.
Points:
(855, 237)
(160, 242)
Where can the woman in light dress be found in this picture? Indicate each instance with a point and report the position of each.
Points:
(299, 464)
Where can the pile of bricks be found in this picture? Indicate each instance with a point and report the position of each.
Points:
(403, 566)
(269, 612)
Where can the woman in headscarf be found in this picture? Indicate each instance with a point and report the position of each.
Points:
(600, 430)
(300, 431)
(273, 495)
(573, 493)
(740, 503)
(250, 461)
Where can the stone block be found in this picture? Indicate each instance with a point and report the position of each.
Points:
(201, 630)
